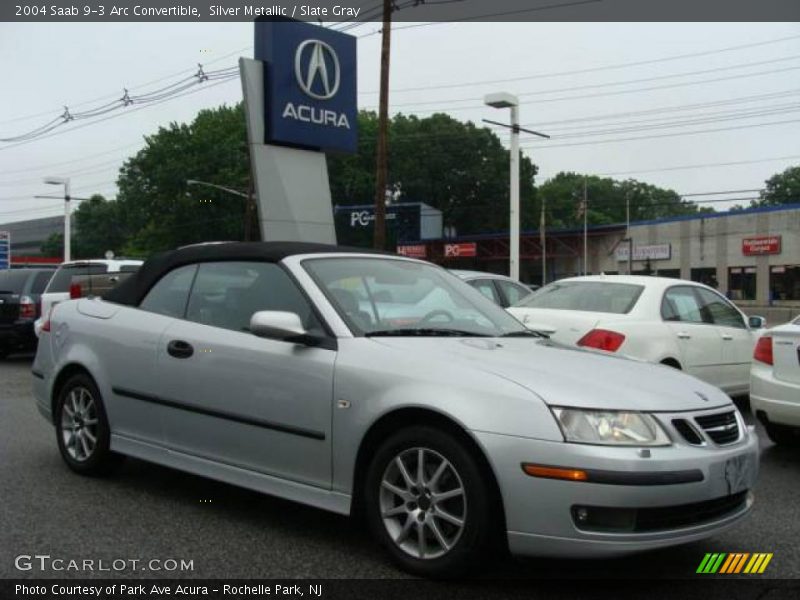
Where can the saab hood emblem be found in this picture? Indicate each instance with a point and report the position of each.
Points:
(317, 69)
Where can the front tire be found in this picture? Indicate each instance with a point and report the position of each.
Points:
(82, 429)
(783, 435)
(427, 502)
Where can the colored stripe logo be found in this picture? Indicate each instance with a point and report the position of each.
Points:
(734, 562)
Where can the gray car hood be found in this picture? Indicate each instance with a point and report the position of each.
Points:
(564, 376)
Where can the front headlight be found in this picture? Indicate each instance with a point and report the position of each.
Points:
(609, 427)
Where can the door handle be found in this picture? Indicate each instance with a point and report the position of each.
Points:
(180, 349)
(727, 337)
(684, 336)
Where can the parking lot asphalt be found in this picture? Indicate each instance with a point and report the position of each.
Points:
(146, 512)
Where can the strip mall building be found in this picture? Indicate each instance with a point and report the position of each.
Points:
(752, 255)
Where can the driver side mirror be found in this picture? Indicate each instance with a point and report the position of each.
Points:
(280, 325)
(756, 322)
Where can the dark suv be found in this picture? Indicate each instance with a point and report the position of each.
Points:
(20, 291)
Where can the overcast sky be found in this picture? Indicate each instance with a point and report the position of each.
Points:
(47, 66)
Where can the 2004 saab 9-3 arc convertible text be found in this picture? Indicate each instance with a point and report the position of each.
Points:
(340, 378)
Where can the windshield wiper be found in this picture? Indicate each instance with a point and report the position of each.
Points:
(526, 333)
(424, 332)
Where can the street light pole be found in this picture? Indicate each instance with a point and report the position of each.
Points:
(543, 242)
(219, 187)
(506, 100)
(67, 214)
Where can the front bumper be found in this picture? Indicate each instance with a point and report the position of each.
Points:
(779, 400)
(541, 513)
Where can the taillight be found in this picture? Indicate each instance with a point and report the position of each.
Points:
(763, 351)
(602, 339)
(27, 308)
(75, 291)
(46, 324)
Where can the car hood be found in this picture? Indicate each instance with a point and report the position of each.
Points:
(563, 376)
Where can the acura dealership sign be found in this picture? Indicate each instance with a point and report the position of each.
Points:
(309, 85)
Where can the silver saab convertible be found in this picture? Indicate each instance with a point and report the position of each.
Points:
(371, 383)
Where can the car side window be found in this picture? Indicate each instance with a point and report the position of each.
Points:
(485, 287)
(227, 294)
(719, 310)
(170, 293)
(680, 304)
(513, 291)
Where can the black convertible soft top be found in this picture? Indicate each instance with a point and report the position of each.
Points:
(135, 288)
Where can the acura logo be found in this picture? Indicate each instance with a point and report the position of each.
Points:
(316, 67)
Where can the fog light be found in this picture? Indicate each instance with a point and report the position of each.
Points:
(602, 518)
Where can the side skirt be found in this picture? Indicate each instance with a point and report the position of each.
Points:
(259, 482)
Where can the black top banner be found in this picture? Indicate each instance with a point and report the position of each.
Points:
(402, 10)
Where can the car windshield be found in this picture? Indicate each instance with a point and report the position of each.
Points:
(590, 296)
(381, 296)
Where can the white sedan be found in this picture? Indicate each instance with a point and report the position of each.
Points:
(775, 383)
(674, 322)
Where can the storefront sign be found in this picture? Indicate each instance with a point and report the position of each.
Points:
(654, 252)
(464, 249)
(765, 244)
(413, 251)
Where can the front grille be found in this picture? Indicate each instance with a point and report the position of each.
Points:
(688, 432)
(640, 520)
(723, 428)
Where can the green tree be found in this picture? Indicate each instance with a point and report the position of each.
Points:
(156, 209)
(781, 188)
(607, 200)
(455, 167)
(97, 229)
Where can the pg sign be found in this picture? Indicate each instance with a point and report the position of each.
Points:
(309, 85)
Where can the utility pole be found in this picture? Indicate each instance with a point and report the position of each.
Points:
(379, 239)
(585, 229)
(543, 243)
(628, 231)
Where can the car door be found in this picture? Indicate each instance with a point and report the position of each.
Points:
(130, 356)
(737, 340)
(699, 344)
(259, 404)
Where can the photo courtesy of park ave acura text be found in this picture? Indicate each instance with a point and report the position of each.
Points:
(400, 299)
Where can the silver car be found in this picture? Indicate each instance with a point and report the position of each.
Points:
(272, 366)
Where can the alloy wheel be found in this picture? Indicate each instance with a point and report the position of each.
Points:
(423, 503)
(79, 424)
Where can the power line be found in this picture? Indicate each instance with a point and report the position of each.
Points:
(126, 100)
(664, 135)
(733, 163)
(630, 81)
(135, 109)
(551, 74)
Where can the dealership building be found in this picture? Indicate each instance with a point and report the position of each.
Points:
(751, 255)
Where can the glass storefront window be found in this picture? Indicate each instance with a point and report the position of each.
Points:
(706, 276)
(742, 283)
(784, 282)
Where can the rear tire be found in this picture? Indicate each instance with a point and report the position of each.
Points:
(82, 429)
(783, 435)
(435, 520)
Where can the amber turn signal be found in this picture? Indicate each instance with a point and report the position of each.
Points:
(554, 472)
